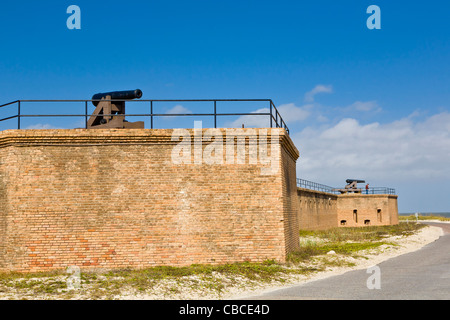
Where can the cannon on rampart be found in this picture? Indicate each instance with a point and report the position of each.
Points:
(110, 110)
(351, 187)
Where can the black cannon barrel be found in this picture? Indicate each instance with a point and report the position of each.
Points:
(353, 180)
(118, 95)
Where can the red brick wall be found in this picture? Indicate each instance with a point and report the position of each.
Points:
(371, 209)
(317, 210)
(3, 210)
(321, 210)
(114, 199)
(290, 202)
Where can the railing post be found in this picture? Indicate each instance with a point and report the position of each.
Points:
(86, 114)
(151, 114)
(276, 118)
(18, 115)
(271, 116)
(215, 114)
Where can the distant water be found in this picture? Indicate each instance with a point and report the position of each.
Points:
(442, 214)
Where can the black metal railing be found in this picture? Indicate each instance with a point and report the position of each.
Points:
(306, 184)
(379, 190)
(273, 115)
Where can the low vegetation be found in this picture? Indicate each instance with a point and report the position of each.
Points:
(348, 241)
(206, 280)
(423, 218)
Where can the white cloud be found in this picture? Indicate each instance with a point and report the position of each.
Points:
(40, 126)
(289, 112)
(178, 109)
(364, 106)
(402, 150)
(322, 118)
(320, 88)
(261, 121)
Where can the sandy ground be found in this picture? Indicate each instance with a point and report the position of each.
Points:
(196, 287)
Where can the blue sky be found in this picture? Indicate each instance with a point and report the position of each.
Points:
(370, 104)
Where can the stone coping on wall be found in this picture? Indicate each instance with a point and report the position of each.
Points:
(356, 195)
(317, 192)
(349, 195)
(39, 137)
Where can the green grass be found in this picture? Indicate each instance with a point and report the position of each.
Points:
(348, 241)
(205, 278)
(264, 270)
(306, 252)
(424, 218)
(98, 285)
(370, 233)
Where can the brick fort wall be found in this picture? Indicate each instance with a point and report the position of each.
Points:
(109, 198)
(317, 210)
(320, 210)
(356, 210)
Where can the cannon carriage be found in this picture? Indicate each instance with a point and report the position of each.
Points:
(110, 110)
(351, 187)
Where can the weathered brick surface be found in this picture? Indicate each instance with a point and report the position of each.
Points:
(317, 210)
(290, 202)
(113, 199)
(367, 209)
(321, 210)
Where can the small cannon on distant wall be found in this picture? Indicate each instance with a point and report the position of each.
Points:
(351, 187)
(111, 114)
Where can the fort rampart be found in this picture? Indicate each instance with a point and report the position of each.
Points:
(322, 210)
(114, 198)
